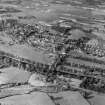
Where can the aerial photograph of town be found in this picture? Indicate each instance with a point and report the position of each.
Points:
(52, 52)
